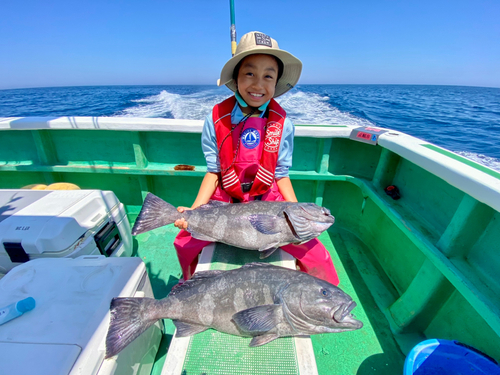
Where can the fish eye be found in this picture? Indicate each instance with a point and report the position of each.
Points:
(325, 292)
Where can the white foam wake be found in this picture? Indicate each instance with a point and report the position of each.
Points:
(168, 105)
(301, 107)
(487, 161)
(309, 108)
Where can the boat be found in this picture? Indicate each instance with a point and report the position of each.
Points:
(415, 242)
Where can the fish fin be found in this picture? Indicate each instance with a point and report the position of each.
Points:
(258, 264)
(266, 224)
(212, 204)
(300, 225)
(256, 320)
(200, 236)
(206, 274)
(200, 276)
(262, 340)
(187, 329)
(129, 318)
(155, 213)
(265, 253)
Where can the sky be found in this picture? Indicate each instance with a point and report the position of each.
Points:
(100, 42)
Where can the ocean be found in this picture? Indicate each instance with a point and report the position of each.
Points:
(465, 120)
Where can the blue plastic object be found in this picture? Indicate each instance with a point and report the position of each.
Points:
(445, 357)
(16, 309)
(26, 304)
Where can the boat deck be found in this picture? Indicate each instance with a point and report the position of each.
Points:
(369, 350)
(420, 267)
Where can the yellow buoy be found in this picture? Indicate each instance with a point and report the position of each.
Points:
(62, 186)
(35, 187)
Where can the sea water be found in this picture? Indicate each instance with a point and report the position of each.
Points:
(465, 120)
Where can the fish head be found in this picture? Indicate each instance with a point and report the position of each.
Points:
(319, 307)
(308, 220)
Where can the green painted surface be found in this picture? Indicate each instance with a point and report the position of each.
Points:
(457, 318)
(352, 158)
(484, 256)
(369, 350)
(425, 266)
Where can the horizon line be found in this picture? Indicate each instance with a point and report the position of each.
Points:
(211, 85)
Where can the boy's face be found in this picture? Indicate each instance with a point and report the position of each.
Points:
(257, 79)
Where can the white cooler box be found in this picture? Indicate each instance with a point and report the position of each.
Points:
(65, 333)
(59, 224)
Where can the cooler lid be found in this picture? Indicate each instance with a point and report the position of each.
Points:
(40, 359)
(11, 201)
(50, 221)
(72, 305)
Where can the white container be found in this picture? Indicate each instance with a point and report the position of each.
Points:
(62, 223)
(65, 333)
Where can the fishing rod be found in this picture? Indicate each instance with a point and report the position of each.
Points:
(233, 29)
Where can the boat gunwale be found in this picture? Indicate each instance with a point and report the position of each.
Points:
(480, 182)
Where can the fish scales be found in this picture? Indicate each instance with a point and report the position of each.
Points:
(256, 225)
(257, 300)
(234, 294)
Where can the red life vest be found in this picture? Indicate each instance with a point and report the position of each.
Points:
(264, 178)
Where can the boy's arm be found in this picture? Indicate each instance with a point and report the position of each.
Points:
(286, 189)
(207, 188)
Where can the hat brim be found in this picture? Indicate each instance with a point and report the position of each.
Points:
(292, 67)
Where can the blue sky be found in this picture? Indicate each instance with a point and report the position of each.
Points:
(73, 43)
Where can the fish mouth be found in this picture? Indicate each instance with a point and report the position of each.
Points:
(343, 314)
(325, 220)
(321, 226)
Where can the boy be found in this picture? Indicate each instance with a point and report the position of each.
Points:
(248, 144)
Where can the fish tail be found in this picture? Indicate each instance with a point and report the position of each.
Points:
(155, 213)
(129, 318)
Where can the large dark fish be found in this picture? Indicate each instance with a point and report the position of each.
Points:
(255, 225)
(258, 300)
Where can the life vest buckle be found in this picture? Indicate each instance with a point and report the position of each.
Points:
(246, 186)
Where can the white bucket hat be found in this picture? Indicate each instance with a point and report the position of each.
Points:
(255, 43)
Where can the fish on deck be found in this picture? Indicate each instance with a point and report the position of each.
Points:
(257, 300)
(256, 225)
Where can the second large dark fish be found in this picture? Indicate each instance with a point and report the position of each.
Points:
(256, 225)
(258, 300)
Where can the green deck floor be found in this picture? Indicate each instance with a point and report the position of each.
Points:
(208, 350)
(370, 350)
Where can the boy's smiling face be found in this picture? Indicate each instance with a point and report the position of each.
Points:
(257, 79)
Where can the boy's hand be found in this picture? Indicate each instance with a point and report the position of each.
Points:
(181, 223)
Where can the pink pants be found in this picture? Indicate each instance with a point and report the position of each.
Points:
(312, 257)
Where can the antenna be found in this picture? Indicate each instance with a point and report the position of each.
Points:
(233, 29)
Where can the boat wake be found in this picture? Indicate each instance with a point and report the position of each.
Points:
(193, 106)
(301, 107)
(487, 161)
(309, 108)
